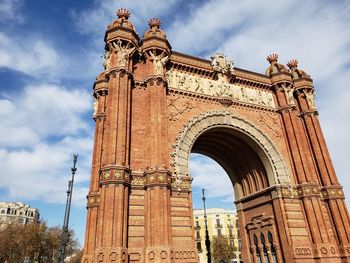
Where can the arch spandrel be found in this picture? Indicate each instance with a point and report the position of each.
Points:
(263, 146)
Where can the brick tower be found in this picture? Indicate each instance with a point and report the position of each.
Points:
(154, 106)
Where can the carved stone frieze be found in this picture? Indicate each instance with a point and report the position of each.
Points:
(219, 88)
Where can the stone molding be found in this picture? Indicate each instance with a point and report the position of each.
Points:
(205, 121)
(114, 175)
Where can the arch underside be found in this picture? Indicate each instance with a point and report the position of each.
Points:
(239, 160)
(248, 156)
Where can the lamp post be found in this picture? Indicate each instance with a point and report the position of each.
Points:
(65, 233)
(207, 241)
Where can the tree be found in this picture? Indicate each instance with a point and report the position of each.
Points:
(35, 241)
(221, 250)
(76, 258)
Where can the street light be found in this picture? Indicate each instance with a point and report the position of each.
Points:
(65, 233)
(207, 241)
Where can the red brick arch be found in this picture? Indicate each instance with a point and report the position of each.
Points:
(154, 106)
(264, 147)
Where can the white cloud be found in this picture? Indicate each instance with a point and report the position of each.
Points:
(42, 173)
(39, 57)
(9, 10)
(95, 19)
(41, 128)
(34, 56)
(40, 112)
(211, 176)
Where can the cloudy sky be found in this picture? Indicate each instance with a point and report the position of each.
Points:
(50, 54)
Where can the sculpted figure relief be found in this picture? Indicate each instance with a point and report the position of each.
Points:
(310, 97)
(123, 53)
(107, 60)
(289, 95)
(218, 88)
(95, 106)
(158, 63)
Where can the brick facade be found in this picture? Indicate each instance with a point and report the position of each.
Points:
(153, 106)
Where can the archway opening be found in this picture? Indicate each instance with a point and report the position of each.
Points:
(232, 167)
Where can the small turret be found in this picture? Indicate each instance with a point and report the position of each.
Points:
(295, 72)
(274, 67)
(155, 38)
(121, 29)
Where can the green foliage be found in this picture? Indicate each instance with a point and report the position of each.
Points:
(222, 252)
(35, 241)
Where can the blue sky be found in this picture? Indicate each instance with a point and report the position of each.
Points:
(50, 54)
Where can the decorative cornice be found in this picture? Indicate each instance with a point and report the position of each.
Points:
(121, 71)
(99, 116)
(93, 199)
(286, 108)
(308, 113)
(308, 190)
(114, 174)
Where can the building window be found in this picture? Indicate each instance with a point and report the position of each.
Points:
(273, 250)
(2, 211)
(257, 251)
(199, 247)
(219, 232)
(266, 257)
(230, 233)
(197, 224)
(198, 235)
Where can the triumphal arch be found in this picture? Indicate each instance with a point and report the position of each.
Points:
(154, 106)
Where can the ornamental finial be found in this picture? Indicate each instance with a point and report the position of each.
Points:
(154, 23)
(272, 58)
(292, 63)
(123, 13)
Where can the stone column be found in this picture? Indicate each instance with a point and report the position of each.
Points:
(93, 198)
(332, 197)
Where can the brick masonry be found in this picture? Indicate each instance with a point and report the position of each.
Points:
(268, 138)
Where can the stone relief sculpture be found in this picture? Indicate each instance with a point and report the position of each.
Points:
(95, 106)
(123, 53)
(310, 97)
(289, 95)
(158, 63)
(107, 60)
(221, 64)
(215, 88)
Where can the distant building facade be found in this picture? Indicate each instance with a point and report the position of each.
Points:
(221, 222)
(17, 213)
